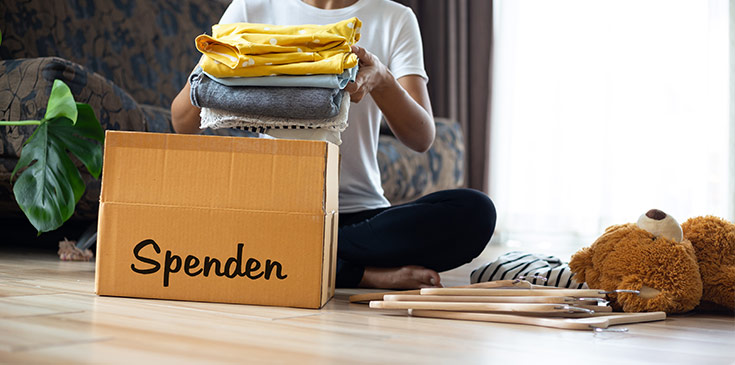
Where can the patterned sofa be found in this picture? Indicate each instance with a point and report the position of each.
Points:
(128, 59)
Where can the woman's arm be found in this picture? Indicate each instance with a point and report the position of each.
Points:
(405, 102)
(184, 116)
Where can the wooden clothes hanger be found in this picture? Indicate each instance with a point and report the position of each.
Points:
(516, 283)
(525, 308)
(586, 293)
(511, 301)
(492, 299)
(594, 321)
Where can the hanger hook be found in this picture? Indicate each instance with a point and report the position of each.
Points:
(524, 278)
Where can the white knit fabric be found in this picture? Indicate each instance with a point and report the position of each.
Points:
(216, 119)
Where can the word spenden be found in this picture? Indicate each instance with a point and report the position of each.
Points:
(232, 268)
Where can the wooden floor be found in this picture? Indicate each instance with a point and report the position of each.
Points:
(49, 313)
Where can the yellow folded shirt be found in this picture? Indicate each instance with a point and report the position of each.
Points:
(245, 49)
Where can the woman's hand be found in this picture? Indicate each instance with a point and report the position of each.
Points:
(371, 75)
(404, 102)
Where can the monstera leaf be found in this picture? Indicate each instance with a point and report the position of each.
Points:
(50, 185)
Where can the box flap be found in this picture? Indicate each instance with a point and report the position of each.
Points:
(331, 194)
(219, 172)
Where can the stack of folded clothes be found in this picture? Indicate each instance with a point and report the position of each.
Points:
(284, 81)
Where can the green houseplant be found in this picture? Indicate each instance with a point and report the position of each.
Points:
(49, 185)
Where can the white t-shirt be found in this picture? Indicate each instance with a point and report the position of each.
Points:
(390, 32)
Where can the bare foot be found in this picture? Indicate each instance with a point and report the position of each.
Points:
(404, 277)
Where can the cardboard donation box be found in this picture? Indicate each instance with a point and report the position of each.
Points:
(218, 219)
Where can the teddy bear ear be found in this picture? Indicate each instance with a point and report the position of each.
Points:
(580, 262)
(613, 227)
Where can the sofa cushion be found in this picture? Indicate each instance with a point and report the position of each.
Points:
(145, 47)
(407, 175)
(158, 119)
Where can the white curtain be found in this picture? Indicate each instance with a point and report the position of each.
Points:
(602, 110)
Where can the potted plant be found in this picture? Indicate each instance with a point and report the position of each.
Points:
(48, 184)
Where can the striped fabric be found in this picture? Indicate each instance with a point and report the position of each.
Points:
(514, 264)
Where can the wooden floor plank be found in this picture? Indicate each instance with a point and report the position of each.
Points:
(36, 332)
(50, 313)
(11, 288)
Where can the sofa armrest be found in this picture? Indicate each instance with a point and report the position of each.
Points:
(408, 175)
(25, 85)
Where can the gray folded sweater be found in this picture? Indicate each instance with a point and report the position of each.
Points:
(283, 102)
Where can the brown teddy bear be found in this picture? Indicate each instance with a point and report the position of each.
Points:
(713, 240)
(650, 256)
(674, 267)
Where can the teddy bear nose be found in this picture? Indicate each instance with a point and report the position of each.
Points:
(656, 214)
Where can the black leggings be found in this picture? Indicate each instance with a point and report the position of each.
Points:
(440, 231)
